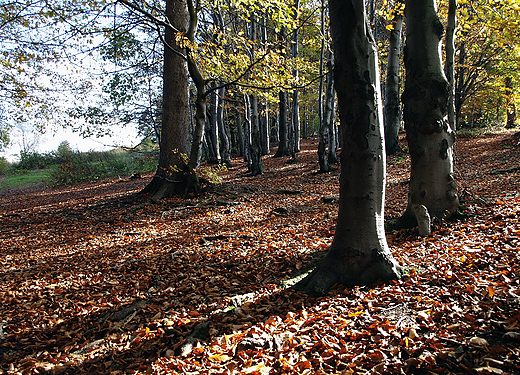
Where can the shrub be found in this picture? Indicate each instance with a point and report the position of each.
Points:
(91, 166)
(34, 160)
(4, 166)
(63, 151)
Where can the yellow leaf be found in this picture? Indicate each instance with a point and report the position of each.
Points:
(257, 369)
(491, 291)
(219, 357)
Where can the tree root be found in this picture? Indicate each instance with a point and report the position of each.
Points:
(350, 267)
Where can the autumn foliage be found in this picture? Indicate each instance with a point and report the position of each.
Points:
(95, 281)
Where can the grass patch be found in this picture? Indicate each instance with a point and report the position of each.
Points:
(75, 167)
(25, 179)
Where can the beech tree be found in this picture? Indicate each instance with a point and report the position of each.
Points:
(449, 65)
(433, 190)
(322, 126)
(359, 253)
(392, 110)
(487, 39)
(176, 173)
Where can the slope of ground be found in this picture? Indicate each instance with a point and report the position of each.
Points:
(92, 281)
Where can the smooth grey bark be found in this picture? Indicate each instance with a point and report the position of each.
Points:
(257, 165)
(322, 128)
(247, 131)
(283, 130)
(359, 254)
(332, 155)
(511, 109)
(329, 114)
(295, 122)
(429, 135)
(200, 119)
(223, 134)
(295, 113)
(264, 123)
(240, 132)
(212, 129)
(392, 109)
(460, 92)
(449, 65)
(264, 130)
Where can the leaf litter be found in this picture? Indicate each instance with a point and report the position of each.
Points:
(93, 281)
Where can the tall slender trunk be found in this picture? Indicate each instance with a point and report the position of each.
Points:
(295, 118)
(429, 135)
(322, 129)
(283, 136)
(392, 110)
(328, 115)
(264, 123)
(223, 134)
(359, 253)
(240, 133)
(459, 85)
(257, 165)
(449, 65)
(247, 131)
(212, 129)
(296, 95)
(264, 130)
(511, 109)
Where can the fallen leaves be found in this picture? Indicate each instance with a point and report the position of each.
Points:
(195, 286)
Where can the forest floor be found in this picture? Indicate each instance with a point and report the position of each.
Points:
(94, 281)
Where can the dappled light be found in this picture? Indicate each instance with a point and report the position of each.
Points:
(90, 284)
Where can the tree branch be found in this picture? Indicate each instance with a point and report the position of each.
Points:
(148, 15)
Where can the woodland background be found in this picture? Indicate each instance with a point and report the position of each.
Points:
(100, 279)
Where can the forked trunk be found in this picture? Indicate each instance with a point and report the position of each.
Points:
(173, 175)
(359, 253)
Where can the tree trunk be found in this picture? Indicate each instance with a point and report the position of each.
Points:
(264, 124)
(212, 129)
(359, 253)
(247, 131)
(295, 118)
(511, 109)
(449, 66)
(200, 121)
(322, 129)
(173, 174)
(264, 130)
(283, 139)
(459, 85)
(240, 133)
(392, 111)
(328, 114)
(257, 165)
(223, 134)
(296, 95)
(429, 135)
